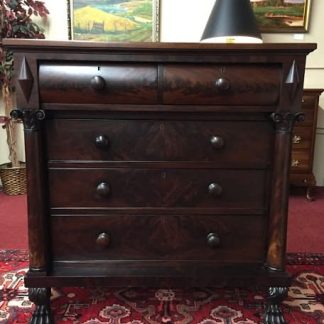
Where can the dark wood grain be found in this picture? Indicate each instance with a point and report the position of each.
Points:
(121, 83)
(309, 117)
(77, 46)
(249, 84)
(303, 144)
(157, 188)
(159, 238)
(302, 137)
(301, 160)
(160, 140)
(153, 274)
(159, 164)
(277, 235)
(36, 194)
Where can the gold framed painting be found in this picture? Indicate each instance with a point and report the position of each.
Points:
(114, 20)
(282, 16)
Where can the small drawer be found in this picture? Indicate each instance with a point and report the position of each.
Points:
(309, 118)
(98, 83)
(308, 102)
(301, 179)
(226, 143)
(222, 84)
(184, 188)
(161, 237)
(302, 137)
(300, 160)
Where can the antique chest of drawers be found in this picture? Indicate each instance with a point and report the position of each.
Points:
(158, 164)
(303, 142)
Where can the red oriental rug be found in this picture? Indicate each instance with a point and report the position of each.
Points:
(304, 304)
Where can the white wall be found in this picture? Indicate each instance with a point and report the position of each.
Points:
(184, 21)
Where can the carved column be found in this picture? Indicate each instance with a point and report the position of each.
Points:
(279, 197)
(36, 194)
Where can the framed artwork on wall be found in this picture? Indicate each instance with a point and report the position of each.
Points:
(282, 16)
(114, 20)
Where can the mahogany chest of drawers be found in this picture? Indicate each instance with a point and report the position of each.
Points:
(158, 164)
(303, 142)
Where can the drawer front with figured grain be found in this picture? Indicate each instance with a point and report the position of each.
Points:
(226, 143)
(122, 187)
(163, 237)
(98, 83)
(222, 84)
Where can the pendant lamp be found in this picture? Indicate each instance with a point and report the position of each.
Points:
(232, 21)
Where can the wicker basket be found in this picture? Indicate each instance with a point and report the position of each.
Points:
(13, 180)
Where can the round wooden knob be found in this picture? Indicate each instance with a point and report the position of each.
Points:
(217, 142)
(222, 84)
(213, 240)
(102, 141)
(103, 189)
(98, 82)
(103, 240)
(215, 189)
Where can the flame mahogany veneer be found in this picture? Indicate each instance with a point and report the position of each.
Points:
(157, 164)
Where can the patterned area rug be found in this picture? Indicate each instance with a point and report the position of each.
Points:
(304, 304)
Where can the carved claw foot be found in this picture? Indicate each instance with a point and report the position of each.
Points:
(41, 298)
(273, 314)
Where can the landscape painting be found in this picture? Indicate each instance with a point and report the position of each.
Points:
(275, 16)
(114, 20)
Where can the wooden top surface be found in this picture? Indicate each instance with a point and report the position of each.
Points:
(50, 45)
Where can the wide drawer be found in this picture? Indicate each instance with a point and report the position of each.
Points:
(127, 237)
(122, 187)
(302, 137)
(98, 83)
(227, 143)
(221, 84)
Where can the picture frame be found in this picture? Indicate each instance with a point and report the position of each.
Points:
(282, 16)
(114, 20)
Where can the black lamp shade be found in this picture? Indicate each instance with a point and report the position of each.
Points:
(231, 20)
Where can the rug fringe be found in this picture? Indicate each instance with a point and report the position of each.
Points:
(305, 258)
(14, 255)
